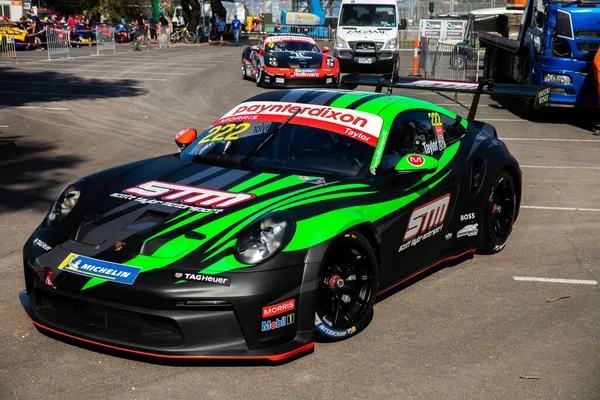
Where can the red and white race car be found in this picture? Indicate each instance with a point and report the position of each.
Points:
(285, 59)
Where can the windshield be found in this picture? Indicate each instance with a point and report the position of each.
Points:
(290, 46)
(368, 15)
(318, 140)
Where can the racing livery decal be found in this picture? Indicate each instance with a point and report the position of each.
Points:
(278, 308)
(427, 219)
(104, 270)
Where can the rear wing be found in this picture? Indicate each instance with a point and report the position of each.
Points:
(540, 94)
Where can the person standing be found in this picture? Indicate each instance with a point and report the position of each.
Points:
(236, 25)
(220, 28)
(71, 26)
(596, 128)
(141, 25)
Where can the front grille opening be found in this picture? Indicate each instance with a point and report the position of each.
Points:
(108, 322)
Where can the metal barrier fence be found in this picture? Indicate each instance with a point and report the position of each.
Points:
(57, 42)
(315, 32)
(164, 37)
(8, 51)
(105, 40)
(439, 60)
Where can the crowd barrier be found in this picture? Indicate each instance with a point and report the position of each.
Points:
(439, 60)
(315, 32)
(105, 40)
(164, 37)
(57, 43)
(8, 51)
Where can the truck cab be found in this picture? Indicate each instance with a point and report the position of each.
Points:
(555, 47)
(367, 34)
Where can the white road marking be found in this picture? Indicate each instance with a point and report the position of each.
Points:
(551, 140)
(554, 280)
(65, 84)
(4, 126)
(562, 208)
(76, 69)
(44, 108)
(99, 78)
(557, 167)
(51, 94)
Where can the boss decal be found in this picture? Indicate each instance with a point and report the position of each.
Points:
(204, 278)
(190, 195)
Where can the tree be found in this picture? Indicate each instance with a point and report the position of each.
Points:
(217, 9)
(191, 14)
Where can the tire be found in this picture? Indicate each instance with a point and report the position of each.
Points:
(347, 288)
(244, 73)
(259, 76)
(174, 38)
(190, 38)
(499, 214)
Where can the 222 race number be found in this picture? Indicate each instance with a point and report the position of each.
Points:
(225, 132)
(435, 119)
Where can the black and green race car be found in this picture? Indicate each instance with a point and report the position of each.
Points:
(279, 224)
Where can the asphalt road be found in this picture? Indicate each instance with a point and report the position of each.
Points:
(469, 330)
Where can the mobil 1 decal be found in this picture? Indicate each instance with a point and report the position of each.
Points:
(425, 221)
(359, 125)
(278, 315)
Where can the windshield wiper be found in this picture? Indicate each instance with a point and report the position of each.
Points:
(268, 138)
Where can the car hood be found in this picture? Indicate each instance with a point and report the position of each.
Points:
(163, 210)
(294, 59)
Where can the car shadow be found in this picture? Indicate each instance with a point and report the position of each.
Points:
(29, 173)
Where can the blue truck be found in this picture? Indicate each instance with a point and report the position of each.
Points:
(555, 46)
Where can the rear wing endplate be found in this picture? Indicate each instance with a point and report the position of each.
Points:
(540, 94)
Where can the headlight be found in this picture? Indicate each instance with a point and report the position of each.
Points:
(65, 202)
(330, 62)
(265, 237)
(273, 62)
(391, 44)
(557, 78)
(341, 43)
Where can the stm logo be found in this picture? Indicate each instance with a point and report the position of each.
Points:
(427, 217)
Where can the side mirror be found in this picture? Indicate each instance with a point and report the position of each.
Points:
(185, 137)
(326, 49)
(412, 163)
(403, 24)
(255, 48)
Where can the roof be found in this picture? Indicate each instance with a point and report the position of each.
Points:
(370, 102)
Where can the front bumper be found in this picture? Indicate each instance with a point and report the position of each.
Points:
(365, 54)
(278, 77)
(581, 92)
(217, 326)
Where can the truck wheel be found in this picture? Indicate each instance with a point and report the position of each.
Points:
(489, 64)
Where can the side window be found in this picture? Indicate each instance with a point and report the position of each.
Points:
(452, 128)
(412, 132)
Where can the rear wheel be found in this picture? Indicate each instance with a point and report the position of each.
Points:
(244, 72)
(347, 288)
(190, 38)
(499, 214)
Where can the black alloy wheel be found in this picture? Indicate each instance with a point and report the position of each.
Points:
(499, 215)
(347, 288)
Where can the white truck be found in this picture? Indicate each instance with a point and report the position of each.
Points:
(367, 34)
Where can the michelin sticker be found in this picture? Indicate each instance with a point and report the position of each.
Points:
(104, 270)
(469, 230)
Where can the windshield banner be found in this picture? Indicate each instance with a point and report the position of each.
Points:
(276, 39)
(358, 125)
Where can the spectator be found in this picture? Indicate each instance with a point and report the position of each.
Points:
(236, 25)
(71, 26)
(220, 29)
(85, 20)
(141, 27)
(152, 23)
(596, 129)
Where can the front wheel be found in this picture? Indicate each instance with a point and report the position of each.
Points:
(347, 288)
(259, 76)
(499, 214)
(190, 38)
(174, 37)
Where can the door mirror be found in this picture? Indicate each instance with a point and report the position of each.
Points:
(326, 49)
(403, 24)
(412, 163)
(185, 137)
(255, 48)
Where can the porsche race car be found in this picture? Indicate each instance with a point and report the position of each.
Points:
(283, 59)
(279, 224)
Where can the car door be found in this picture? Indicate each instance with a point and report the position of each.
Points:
(416, 235)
